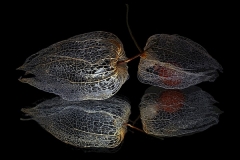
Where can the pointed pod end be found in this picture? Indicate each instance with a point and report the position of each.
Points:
(220, 69)
(23, 80)
(26, 77)
(25, 116)
(218, 110)
(21, 68)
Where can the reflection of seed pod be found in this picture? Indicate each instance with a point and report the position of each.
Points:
(171, 100)
(83, 123)
(79, 68)
(176, 62)
(167, 113)
(97, 149)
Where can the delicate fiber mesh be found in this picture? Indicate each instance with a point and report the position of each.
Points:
(83, 123)
(167, 113)
(80, 68)
(176, 62)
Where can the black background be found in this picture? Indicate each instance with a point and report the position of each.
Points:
(35, 26)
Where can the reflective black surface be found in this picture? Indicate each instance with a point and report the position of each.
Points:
(40, 27)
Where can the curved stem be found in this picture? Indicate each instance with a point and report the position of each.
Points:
(129, 125)
(132, 58)
(133, 123)
(130, 32)
(142, 53)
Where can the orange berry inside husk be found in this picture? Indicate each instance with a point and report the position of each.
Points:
(168, 75)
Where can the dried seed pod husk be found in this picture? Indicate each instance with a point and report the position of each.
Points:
(176, 62)
(83, 67)
(83, 124)
(168, 113)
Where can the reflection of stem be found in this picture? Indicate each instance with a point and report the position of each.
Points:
(133, 123)
(130, 120)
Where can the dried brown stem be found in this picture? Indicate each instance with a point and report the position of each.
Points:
(129, 125)
(132, 58)
(130, 31)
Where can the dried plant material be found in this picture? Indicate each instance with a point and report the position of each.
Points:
(84, 124)
(175, 62)
(167, 113)
(83, 67)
